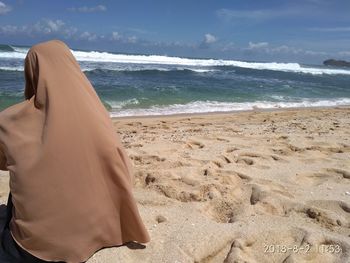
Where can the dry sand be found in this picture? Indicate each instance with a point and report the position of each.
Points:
(255, 186)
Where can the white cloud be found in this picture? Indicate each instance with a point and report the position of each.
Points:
(267, 49)
(314, 53)
(132, 39)
(51, 27)
(209, 39)
(4, 8)
(284, 49)
(48, 26)
(258, 45)
(58, 28)
(86, 9)
(42, 27)
(228, 47)
(116, 36)
(9, 29)
(87, 36)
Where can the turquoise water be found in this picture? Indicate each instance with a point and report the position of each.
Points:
(148, 85)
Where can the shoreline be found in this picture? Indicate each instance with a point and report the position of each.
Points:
(256, 110)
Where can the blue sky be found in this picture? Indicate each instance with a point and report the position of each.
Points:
(306, 31)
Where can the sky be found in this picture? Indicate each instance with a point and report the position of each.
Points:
(306, 31)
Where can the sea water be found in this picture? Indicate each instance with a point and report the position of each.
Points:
(131, 85)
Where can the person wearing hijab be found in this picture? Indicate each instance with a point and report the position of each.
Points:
(70, 177)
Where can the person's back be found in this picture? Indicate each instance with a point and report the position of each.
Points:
(70, 178)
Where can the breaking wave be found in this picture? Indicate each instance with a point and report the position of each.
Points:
(13, 52)
(215, 106)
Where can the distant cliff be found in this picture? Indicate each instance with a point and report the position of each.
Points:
(336, 63)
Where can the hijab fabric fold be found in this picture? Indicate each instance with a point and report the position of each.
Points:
(70, 177)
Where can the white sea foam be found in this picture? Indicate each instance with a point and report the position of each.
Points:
(278, 97)
(12, 54)
(122, 68)
(155, 59)
(19, 68)
(20, 49)
(214, 106)
(120, 104)
(95, 56)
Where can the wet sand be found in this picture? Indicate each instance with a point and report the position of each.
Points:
(253, 186)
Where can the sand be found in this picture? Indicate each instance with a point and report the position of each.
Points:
(254, 186)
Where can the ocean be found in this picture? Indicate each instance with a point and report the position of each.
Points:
(133, 85)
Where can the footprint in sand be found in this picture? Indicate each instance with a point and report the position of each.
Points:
(266, 201)
(295, 149)
(250, 161)
(144, 179)
(231, 149)
(222, 139)
(146, 159)
(221, 210)
(320, 217)
(226, 159)
(245, 160)
(226, 197)
(251, 158)
(328, 150)
(135, 123)
(256, 195)
(278, 158)
(282, 151)
(283, 137)
(192, 144)
(338, 212)
(339, 172)
(135, 145)
(326, 175)
(230, 178)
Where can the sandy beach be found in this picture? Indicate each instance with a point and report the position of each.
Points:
(254, 186)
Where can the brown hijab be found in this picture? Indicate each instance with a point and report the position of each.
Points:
(70, 177)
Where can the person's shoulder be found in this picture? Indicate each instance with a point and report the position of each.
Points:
(11, 110)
